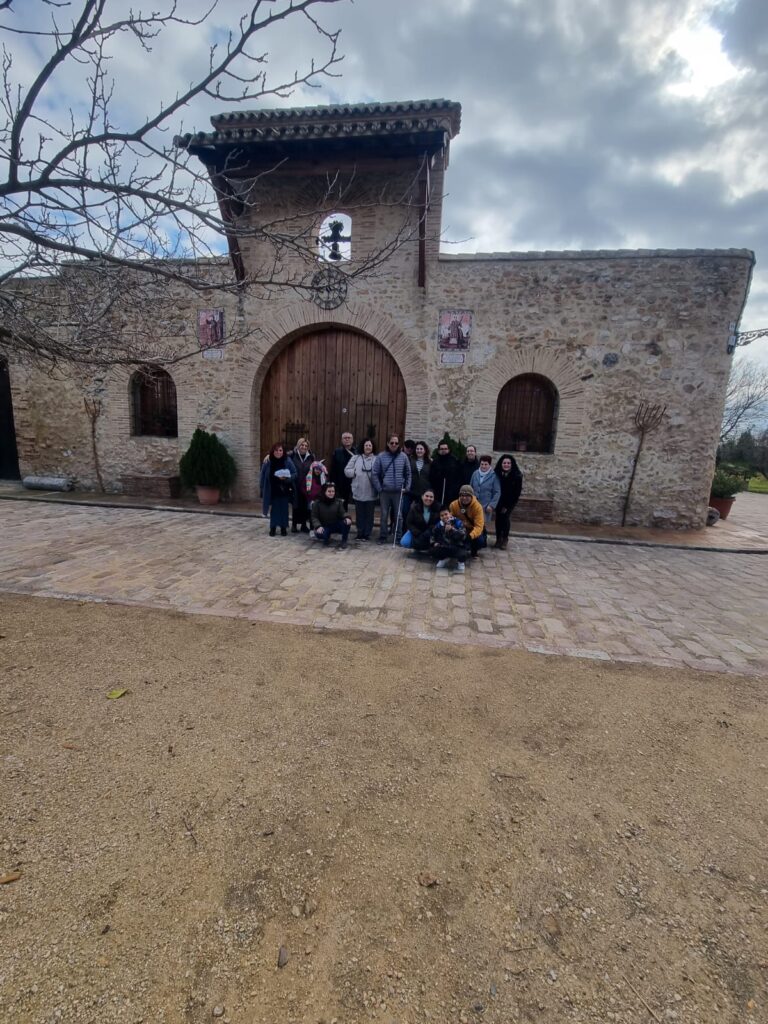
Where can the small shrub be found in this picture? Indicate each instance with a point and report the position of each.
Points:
(207, 463)
(726, 485)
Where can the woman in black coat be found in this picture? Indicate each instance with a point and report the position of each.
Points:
(511, 481)
(302, 459)
(421, 519)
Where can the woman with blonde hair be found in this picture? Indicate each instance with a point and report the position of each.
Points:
(302, 459)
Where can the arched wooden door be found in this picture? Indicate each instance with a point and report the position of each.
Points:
(327, 382)
(9, 458)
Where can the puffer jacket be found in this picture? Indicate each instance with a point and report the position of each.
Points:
(487, 490)
(326, 513)
(472, 516)
(391, 472)
(359, 470)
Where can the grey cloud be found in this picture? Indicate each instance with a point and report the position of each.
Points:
(745, 32)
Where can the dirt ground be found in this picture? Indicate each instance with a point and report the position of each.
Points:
(417, 831)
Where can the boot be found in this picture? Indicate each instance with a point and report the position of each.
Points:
(272, 531)
(295, 528)
(283, 532)
(501, 545)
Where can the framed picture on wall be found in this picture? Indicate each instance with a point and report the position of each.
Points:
(210, 331)
(454, 330)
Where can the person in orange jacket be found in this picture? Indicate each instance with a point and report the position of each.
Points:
(469, 510)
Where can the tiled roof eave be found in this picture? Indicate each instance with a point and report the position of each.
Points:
(252, 135)
(344, 112)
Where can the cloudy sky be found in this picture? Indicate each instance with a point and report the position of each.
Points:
(586, 123)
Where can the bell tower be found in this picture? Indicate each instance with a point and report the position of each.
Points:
(342, 185)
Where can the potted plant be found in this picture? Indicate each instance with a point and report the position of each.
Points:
(725, 487)
(208, 467)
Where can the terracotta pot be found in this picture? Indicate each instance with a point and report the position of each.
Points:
(208, 495)
(723, 505)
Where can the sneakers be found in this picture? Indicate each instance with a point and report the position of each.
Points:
(442, 564)
(459, 567)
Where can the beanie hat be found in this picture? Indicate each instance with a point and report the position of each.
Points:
(466, 489)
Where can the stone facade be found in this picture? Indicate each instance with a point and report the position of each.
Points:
(607, 329)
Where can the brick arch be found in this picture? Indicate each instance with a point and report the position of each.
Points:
(287, 324)
(557, 367)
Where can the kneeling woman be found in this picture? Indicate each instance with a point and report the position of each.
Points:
(328, 516)
(421, 520)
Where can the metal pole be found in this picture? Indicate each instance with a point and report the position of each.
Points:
(397, 519)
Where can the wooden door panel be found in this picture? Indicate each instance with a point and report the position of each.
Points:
(9, 459)
(319, 376)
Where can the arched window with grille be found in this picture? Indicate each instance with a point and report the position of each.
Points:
(334, 240)
(526, 414)
(153, 403)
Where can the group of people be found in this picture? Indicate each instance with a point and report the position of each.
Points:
(433, 505)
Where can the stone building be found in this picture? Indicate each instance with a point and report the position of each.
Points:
(546, 354)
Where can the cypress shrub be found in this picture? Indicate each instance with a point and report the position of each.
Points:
(207, 463)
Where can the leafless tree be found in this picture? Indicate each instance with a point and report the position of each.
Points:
(746, 398)
(100, 217)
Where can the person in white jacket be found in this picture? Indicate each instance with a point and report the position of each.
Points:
(359, 470)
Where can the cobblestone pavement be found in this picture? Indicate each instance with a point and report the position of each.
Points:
(707, 610)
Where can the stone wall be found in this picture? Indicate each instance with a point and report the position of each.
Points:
(609, 329)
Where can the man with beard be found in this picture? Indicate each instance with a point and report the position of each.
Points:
(470, 465)
(445, 475)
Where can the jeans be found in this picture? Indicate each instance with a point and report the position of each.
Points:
(364, 518)
(389, 501)
(278, 513)
(457, 551)
(480, 542)
(338, 527)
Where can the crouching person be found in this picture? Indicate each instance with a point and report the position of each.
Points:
(421, 519)
(469, 510)
(449, 541)
(328, 516)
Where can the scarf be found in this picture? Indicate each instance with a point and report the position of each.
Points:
(311, 478)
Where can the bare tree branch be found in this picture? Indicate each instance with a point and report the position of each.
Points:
(90, 202)
(746, 398)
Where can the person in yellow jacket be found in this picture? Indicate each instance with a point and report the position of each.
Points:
(469, 510)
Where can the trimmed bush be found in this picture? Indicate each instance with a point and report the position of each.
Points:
(207, 463)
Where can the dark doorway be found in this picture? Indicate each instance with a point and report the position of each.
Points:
(329, 381)
(9, 456)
